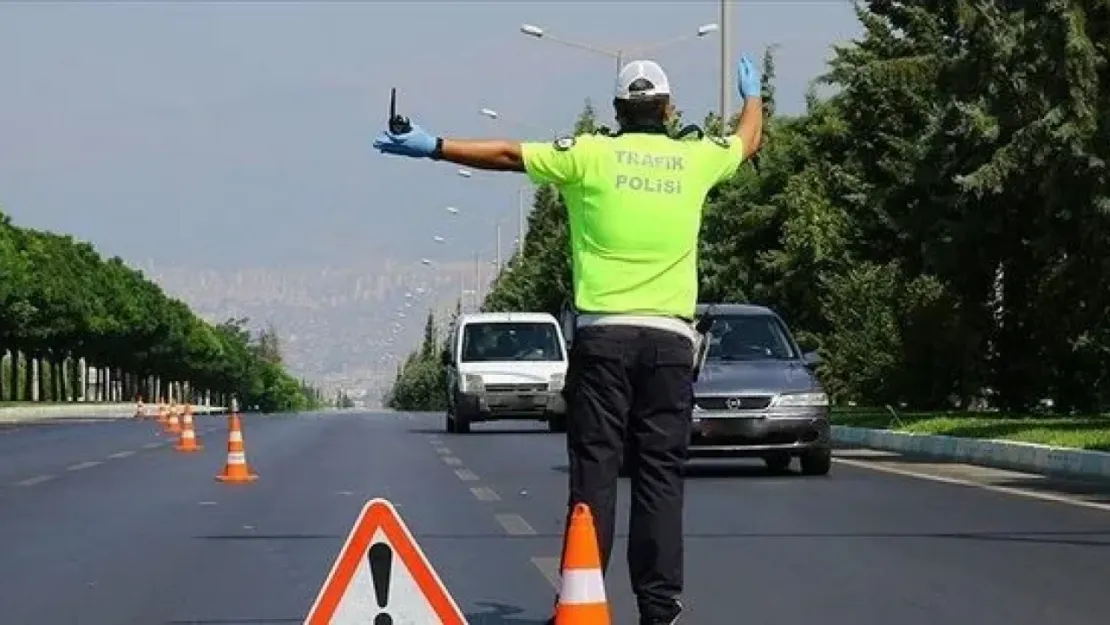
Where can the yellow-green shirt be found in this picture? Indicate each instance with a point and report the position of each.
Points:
(634, 205)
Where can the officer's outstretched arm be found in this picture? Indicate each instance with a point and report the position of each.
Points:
(495, 155)
(750, 128)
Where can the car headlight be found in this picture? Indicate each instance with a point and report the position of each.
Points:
(556, 382)
(801, 400)
(473, 382)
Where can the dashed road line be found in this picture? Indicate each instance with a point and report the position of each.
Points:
(485, 493)
(152, 445)
(515, 525)
(1017, 492)
(38, 479)
(453, 461)
(443, 451)
(122, 454)
(466, 475)
(549, 568)
(88, 464)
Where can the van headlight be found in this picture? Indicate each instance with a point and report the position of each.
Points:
(801, 400)
(556, 382)
(472, 383)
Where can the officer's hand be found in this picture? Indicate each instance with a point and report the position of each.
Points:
(415, 143)
(747, 79)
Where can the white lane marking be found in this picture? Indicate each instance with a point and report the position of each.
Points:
(83, 465)
(152, 445)
(122, 454)
(549, 568)
(485, 493)
(515, 525)
(208, 503)
(38, 479)
(453, 461)
(1006, 490)
(443, 451)
(345, 493)
(466, 475)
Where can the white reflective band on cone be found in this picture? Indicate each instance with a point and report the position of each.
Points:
(581, 586)
(237, 457)
(236, 436)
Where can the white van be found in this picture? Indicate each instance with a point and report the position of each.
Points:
(505, 366)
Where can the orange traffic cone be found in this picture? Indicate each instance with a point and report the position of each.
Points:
(236, 470)
(173, 426)
(582, 590)
(188, 440)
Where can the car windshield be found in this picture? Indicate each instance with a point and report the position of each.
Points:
(508, 341)
(749, 337)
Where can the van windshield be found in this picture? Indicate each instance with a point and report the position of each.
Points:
(508, 341)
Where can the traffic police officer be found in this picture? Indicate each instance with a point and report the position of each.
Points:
(634, 200)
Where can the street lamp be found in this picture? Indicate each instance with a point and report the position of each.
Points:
(438, 239)
(425, 261)
(465, 173)
(452, 210)
(619, 54)
(495, 115)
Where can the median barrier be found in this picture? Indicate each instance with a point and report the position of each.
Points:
(1011, 455)
(78, 410)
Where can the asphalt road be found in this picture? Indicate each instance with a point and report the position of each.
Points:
(102, 523)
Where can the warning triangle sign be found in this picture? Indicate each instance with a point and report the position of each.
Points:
(381, 577)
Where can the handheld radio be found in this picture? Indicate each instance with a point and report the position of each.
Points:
(398, 124)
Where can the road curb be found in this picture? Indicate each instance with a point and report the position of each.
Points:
(1015, 456)
(19, 414)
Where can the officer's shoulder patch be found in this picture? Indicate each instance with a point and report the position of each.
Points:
(723, 142)
(565, 143)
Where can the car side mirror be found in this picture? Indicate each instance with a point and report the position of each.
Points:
(811, 360)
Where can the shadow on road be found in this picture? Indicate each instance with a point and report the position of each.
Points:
(699, 470)
(479, 430)
(1090, 489)
(235, 621)
(500, 614)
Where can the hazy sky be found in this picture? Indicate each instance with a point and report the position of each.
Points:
(225, 134)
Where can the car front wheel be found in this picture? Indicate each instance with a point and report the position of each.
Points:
(817, 462)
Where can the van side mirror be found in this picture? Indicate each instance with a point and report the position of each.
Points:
(445, 358)
(811, 360)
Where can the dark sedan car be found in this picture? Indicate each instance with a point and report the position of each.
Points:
(757, 395)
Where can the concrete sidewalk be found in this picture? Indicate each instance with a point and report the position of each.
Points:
(77, 410)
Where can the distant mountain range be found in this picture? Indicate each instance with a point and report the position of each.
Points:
(335, 324)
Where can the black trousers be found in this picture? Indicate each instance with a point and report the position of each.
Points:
(632, 388)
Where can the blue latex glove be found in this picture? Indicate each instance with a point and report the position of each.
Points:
(415, 143)
(747, 79)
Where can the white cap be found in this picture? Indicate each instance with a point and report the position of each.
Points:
(641, 79)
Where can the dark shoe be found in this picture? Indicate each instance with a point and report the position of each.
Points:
(671, 620)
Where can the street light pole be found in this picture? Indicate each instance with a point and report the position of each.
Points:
(726, 69)
(621, 53)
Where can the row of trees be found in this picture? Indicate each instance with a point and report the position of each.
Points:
(421, 382)
(939, 228)
(78, 327)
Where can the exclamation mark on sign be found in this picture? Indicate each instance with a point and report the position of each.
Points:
(381, 565)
